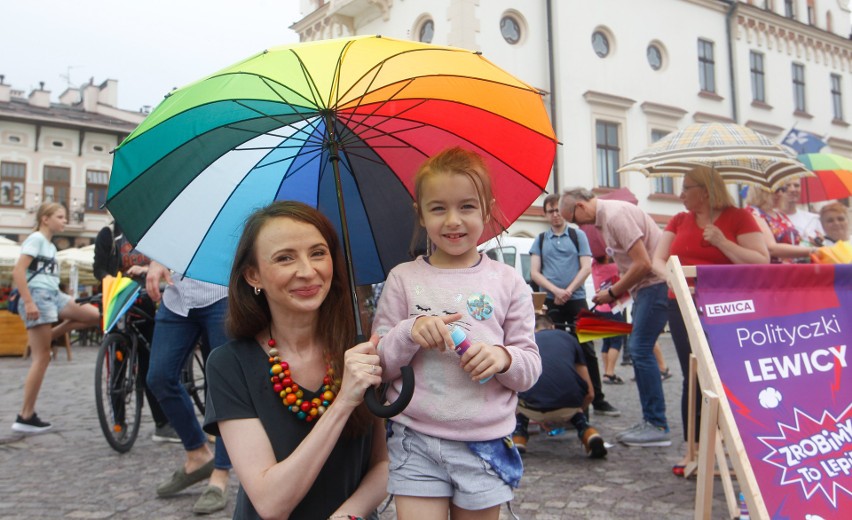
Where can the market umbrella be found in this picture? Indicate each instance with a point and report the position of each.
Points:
(738, 153)
(833, 177)
(341, 125)
(9, 253)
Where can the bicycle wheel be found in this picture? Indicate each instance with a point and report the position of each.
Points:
(118, 392)
(192, 378)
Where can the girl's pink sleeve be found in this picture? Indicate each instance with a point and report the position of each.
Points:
(393, 325)
(519, 340)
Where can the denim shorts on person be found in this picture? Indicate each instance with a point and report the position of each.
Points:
(49, 302)
(425, 466)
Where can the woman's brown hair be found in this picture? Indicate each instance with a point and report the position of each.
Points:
(249, 315)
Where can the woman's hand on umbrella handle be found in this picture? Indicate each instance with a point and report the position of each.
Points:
(432, 331)
(361, 370)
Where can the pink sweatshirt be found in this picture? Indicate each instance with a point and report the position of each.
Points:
(497, 308)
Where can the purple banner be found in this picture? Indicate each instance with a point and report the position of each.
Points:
(780, 335)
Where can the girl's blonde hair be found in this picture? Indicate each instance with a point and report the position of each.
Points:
(47, 210)
(458, 161)
(709, 179)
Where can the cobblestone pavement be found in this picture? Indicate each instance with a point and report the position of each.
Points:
(71, 472)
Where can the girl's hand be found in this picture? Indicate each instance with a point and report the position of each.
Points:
(361, 370)
(32, 310)
(432, 331)
(483, 360)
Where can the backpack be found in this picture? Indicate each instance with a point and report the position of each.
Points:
(572, 234)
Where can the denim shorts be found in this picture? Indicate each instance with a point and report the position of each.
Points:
(50, 303)
(425, 466)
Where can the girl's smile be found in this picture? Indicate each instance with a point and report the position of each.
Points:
(454, 219)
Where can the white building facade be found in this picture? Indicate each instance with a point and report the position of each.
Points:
(625, 72)
(59, 152)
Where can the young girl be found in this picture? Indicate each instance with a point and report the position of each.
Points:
(604, 270)
(36, 276)
(451, 447)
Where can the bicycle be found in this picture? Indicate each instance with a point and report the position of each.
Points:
(119, 390)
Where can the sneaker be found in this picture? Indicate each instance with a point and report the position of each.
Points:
(604, 408)
(593, 443)
(665, 374)
(31, 425)
(520, 442)
(165, 433)
(647, 435)
(633, 428)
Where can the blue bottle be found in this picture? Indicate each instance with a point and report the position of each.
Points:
(462, 344)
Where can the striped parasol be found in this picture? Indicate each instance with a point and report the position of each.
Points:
(738, 153)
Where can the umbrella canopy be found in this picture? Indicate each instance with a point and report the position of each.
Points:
(341, 125)
(833, 177)
(738, 153)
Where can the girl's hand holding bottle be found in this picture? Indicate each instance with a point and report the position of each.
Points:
(482, 361)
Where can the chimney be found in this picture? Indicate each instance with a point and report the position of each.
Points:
(5, 90)
(40, 97)
(108, 93)
(90, 96)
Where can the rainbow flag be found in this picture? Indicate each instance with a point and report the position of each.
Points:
(590, 327)
(119, 293)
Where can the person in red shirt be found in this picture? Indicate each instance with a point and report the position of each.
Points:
(711, 231)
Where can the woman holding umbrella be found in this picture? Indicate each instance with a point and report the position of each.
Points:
(286, 394)
(710, 231)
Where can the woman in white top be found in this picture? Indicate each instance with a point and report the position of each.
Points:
(42, 304)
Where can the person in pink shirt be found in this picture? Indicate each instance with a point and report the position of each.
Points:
(462, 414)
(632, 236)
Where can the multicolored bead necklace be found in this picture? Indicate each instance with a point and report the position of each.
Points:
(290, 393)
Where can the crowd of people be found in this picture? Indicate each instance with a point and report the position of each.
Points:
(286, 377)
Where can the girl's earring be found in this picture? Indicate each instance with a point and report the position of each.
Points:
(257, 291)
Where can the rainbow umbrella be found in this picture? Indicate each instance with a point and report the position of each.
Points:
(833, 177)
(342, 125)
(119, 294)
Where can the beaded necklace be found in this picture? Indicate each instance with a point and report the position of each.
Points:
(290, 393)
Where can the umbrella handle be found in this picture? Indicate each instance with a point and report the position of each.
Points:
(374, 397)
